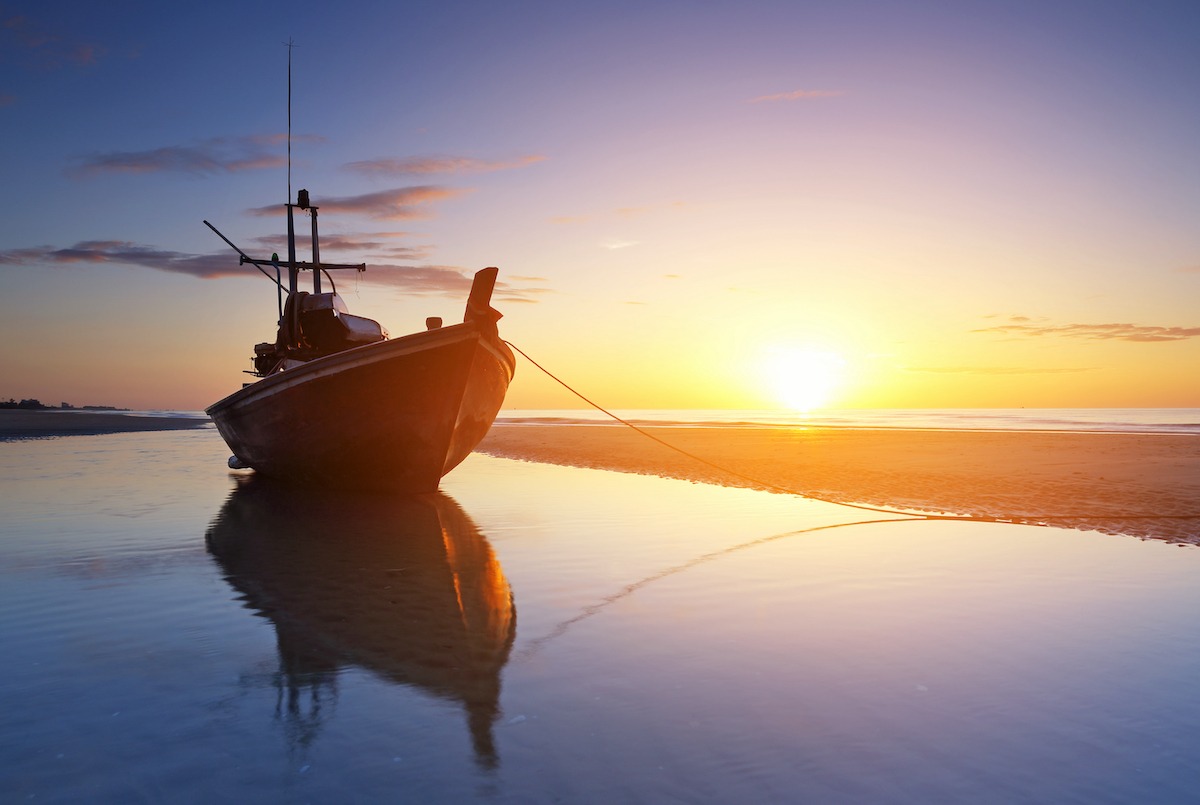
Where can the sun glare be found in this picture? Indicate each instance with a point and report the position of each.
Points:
(804, 378)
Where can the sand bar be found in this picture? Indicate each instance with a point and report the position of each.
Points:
(1145, 485)
(22, 424)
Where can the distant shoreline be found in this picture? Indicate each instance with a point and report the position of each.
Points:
(33, 424)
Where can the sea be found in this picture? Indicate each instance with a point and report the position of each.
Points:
(178, 632)
(1097, 420)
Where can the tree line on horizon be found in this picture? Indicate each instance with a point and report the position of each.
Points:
(38, 405)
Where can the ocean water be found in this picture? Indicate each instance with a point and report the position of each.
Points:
(177, 632)
(1100, 420)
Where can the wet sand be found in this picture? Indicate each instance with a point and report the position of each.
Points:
(19, 424)
(1136, 484)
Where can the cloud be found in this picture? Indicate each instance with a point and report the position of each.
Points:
(421, 166)
(997, 370)
(1104, 332)
(85, 54)
(451, 281)
(356, 245)
(798, 95)
(420, 280)
(397, 204)
(622, 212)
(41, 49)
(620, 244)
(126, 253)
(413, 280)
(7, 99)
(218, 155)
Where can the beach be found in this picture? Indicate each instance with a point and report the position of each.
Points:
(1145, 485)
(22, 424)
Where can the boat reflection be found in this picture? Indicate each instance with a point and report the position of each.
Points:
(405, 587)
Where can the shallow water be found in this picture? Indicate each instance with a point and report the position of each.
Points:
(544, 634)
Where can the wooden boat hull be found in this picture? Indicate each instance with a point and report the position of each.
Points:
(394, 415)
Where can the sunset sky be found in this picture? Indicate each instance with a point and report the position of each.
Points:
(692, 204)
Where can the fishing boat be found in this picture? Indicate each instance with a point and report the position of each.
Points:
(339, 403)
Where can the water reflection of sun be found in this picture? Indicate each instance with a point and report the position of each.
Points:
(804, 378)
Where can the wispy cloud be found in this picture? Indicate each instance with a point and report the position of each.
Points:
(632, 211)
(421, 166)
(400, 203)
(620, 244)
(417, 280)
(451, 281)
(355, 247)
(43, 49)
(7, 99)
(1104, 332)
(122, 252)
(218, 155)
(798, 95)
(646, 209)
(364, 246)
(998, 370)
(420, 280)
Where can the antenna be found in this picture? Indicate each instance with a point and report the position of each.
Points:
(290, 45)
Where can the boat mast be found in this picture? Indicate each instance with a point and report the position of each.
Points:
(301, 202)
(316, 252)
(290, 328)
(291, 227)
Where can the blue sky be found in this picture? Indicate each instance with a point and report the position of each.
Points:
(960, 203)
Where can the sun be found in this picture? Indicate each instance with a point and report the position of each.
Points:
(804, 378)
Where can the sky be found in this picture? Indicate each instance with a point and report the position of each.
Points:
(742, 205)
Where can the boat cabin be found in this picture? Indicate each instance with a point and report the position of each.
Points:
(314, 325)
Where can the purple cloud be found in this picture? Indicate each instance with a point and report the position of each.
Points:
(798, 95)
(435, 280)
(418, 280)
(217, 155)
(46, 50)
(355, 248)
(127, 253)
(397, 204)
(420, 166)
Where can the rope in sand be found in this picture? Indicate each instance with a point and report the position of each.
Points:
(1040, 520)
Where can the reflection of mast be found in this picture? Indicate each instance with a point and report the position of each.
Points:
(406, 588)
(305, 683)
